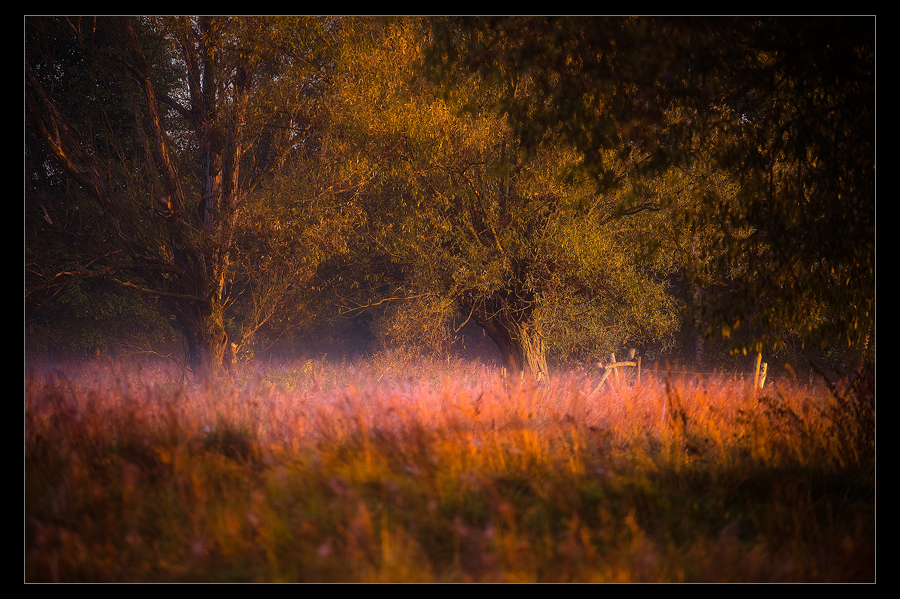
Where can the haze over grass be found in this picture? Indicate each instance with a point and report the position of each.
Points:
(441, 471)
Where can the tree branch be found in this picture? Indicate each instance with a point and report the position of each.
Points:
(179, 296)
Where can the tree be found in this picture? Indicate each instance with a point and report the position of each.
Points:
(782, 107)
(215, 105)
(460, 224)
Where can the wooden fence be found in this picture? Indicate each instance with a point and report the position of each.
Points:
(613, 367)
(634, 362)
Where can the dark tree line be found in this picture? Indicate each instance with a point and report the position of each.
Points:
(783, 106)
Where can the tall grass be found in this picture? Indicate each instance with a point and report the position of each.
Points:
(444, 471)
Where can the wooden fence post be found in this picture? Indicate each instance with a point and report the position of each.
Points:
(614, 366)
(759, 376)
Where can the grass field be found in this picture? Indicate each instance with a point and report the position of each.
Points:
(441, 472)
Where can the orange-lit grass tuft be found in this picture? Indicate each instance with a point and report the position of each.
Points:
(439, 471)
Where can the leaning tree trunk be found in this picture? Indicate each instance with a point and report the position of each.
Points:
(521, 346)
(511, 351)
(511, 318)
(534, 351)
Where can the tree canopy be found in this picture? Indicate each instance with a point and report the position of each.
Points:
(567, 184)
(783, 106)
(201, 110)
(466, 226)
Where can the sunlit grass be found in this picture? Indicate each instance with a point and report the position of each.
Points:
(439, 471)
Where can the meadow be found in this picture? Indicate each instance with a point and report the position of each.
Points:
(394, 470)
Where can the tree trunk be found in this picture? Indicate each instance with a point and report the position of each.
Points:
(521, 345)
(511, 351)
(179, 243)
(534, 351)
(202, 325)
(698, 331)
(698, 306)
(511, 318)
